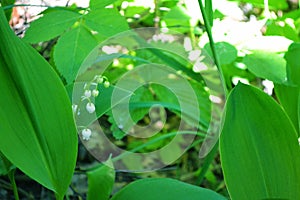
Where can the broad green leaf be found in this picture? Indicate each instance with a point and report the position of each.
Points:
(283, 29)
(293, 64)
(50, 25)
(288, 97)
(99, 4)
(294, 14)
(101, 181)
(37, 131)
(288, 93)
(260, 153)
(71, 50)
(107, 22)
(168, 58)
(298, 128)
(164, 189)
(266, 65)
(226, 52)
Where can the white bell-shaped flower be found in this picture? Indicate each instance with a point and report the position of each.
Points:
(95, 93)
(90, 107)
(86, 134)
(87, 93)
(100, 79)
(106, 84)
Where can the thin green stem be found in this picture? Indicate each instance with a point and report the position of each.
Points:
(11, 176)
(208, 160)
(212, 45)
(156, 13)
(6, 185)
(210, 157)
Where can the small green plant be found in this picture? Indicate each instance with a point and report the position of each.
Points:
(99, 54)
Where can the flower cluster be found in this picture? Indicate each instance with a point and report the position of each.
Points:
(90, 91)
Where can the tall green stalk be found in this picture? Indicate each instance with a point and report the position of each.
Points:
(211, 155)
(11, 176)
(212, 45)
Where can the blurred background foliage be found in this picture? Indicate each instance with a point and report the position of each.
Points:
(246, 32)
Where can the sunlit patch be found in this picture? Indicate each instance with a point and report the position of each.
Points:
(236, 80)
(110, 49)
(187, 44)
(268, 86)
(194, 55)
(199, 66)
(215, 99)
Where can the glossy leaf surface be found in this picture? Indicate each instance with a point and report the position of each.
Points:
(37, 131)
(260, 153)
(50, 25)
(266, 65)
(164, 189)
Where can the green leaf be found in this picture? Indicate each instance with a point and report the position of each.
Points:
(226, 52)
(37, 130)
(99, 4)
(50, 25)
(283, 29)
(273, 4)
(209, 11)
(288, 97)
(71, 50)
(288, 93)
(293, 64)
(266, 65)
(8, 3)
(3, 168)
(164, 189)
(178, 19)
(5, 165)
(260, 153)
(166, 96)
(101, 181)
(131, 11)
(140, 95)
(107, 22)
